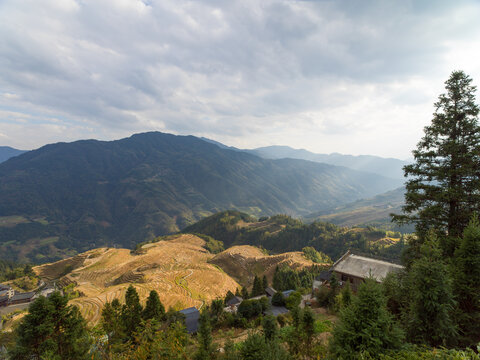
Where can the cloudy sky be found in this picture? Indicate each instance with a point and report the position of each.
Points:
(356, 77)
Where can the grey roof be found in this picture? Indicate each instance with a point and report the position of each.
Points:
(3, 299)
(324, 276)
(234, 301)
(363, 267)
(191, 319)
(22, 296)
(277, 310)
(270, 291)
(4, 287)
(287, 293)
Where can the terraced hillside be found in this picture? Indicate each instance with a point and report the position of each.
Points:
(244, 262)
(178, 269)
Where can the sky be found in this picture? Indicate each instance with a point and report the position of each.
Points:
(354, 77)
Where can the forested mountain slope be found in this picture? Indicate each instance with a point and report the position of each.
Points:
(7, 152)
(76, 196)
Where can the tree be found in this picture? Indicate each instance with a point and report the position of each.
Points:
(205, 349)
(52, 329)
(112, 323)
(467, 283)
(269, 328)
(431, 298)
(264, 282)
(154, 308)
(366, 325)
(131, 312)
(443, 185)
(257, 289)
(278, 299)
(244, 293)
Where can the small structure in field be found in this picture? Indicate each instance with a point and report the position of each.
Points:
(191, 319)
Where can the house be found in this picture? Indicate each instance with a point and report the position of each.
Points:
(4, 300)
(287, 293)
(355, 269)
(4, 287)
(9, 292)
(21, 298)
(270, 291)
(191, 319)
(235, 301)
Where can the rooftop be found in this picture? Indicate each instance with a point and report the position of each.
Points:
(191, 319)
(363, 267)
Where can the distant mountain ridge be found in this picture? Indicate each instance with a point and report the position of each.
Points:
(76, 196)
(7, 152)
(387, 167)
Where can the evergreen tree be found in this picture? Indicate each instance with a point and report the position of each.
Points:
(431, 298)
(154, 308)
(52, 329)
(229, 296)
(257, 289)
(112, 323)
(204, 334)
(131, 312)
(264, 282)
(244, 293)
(366, 325)
(269, 328)
(277, 281)
(467, 283)
(237, 292)
(443, 185)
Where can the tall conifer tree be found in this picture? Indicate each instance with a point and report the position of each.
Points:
(442, 188)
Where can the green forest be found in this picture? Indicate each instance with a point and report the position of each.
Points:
(430, 310)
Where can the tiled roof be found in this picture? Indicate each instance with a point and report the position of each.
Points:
(363, 267)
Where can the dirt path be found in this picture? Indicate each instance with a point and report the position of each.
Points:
(183, 283)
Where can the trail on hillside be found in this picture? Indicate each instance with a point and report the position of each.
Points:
(183, 283)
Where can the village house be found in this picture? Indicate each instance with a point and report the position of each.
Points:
(191, 319)
(355, 269)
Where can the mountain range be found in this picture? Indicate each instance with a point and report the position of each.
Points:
(7, 152)
(75, 196)
(387, 167)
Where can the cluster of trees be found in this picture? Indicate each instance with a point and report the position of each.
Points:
(281, 233)
(10, 270)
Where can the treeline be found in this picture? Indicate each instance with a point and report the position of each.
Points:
(281, 233)
(10, 270)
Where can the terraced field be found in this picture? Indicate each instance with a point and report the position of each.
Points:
(177, 269)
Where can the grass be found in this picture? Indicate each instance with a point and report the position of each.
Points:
(11, 221)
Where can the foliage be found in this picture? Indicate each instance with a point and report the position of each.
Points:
(282, 233)
(311, 254)
(293, 300)
(258, 288)
(442, 187)
(466, 274)
(366, 325)
(205, 349)
(10, 270)
(431, 299)
(131, 312)
(154, 308)
(278, 299)
(52, 329)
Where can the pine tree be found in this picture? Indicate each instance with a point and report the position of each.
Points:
(431, 298)
(154, 308)
(257, 289)
(443, 185)
(244, 293)
(264, 282)
(366, 325)
(205, 349)
(269, 328)
(467, 283)
(131, 312)
(52, 329)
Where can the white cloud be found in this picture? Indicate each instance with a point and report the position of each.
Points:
(327, 76)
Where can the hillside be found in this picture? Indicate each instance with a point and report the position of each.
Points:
(244, 262)
(76, 196)
(373, 211)
(281, 233)
(179, 269)
(387, 167)
(7, 152)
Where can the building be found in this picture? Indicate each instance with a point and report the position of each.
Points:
(355, 269)
(270, 291)
(287, 293)
(21, 298)
(234, 301)
(191, 319)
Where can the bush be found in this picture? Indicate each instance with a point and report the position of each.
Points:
(278, 299)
